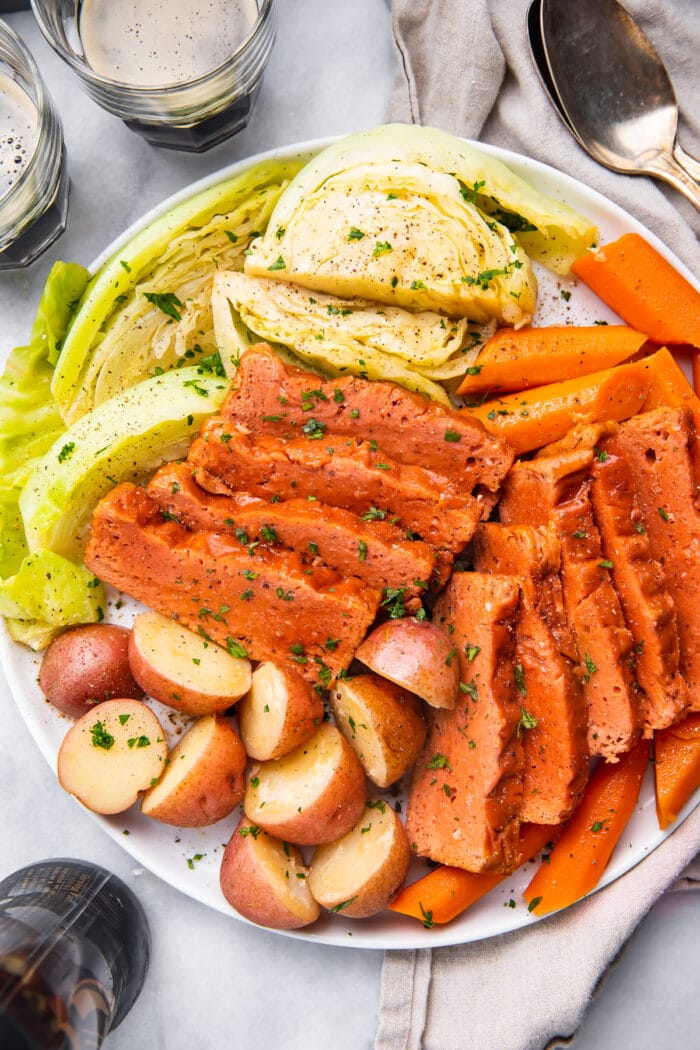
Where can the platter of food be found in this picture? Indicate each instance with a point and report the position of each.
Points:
(263, 438)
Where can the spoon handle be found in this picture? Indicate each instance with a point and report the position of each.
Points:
(666, 167)
(687, 161)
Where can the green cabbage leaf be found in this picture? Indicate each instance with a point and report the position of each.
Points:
(148, 308)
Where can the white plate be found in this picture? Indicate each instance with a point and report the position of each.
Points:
(164, 850)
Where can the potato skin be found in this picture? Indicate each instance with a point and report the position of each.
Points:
(157, 647)
(333, 812)
(85, 666)
(372, 894)
(212, 788)
(416, 654)
(248, 887)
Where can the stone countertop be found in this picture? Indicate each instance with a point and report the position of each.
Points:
(213, 983)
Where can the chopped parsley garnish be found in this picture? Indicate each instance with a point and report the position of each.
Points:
(439, 762)
(527, 721)
(167, 302)
(100, 737)
(472, 651)
(664, 513)
(373, 514)
(355, 234)
(138, 741)
(278, 264)
(520, 682)
(313, 429)
(66, 452)
(470, 689)
(362, 550)
(236, 649)
(381, 248)
(596, 826)
(452, 435)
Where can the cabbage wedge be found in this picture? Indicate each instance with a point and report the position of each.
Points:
(414, 217)
(148, 308)
(127, 438)
(340, 336)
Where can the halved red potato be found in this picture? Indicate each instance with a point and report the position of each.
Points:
(359, 874)
(112, 753)
(417, 655)
(312, 795)
(185, 670)
(204, 778)
(281, 711)
(85, 666)
(265, 880)
(383, 722)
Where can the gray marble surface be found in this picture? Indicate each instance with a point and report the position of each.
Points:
(215, 983)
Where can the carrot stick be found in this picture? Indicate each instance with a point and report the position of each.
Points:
(670, 386)
(677, 767)
(534, 356)
(644, 289)
(583, 849)
(533, 418)
(446, 892)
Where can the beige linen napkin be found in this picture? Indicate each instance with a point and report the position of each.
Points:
(464, 66)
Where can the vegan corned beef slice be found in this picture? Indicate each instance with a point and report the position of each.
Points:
(203, 578)
(661, 448)
(328, 491)
(553, 721)
(467, 787)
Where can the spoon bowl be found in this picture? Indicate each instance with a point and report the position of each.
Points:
(611, 89)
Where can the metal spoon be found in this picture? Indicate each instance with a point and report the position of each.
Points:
(612, 90)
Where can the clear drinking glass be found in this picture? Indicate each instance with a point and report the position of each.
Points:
(186, 110)
(74, 952)
(33, 175)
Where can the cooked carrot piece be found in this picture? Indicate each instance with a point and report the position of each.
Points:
(696, 373)
(644, 289)
(446, 892)
(677, 767)
(584, 847)
(534, 356)
(533, 418)
(669, 385)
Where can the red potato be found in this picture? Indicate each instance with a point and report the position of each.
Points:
(204, 778)
(417, 655)
(312, 795)
(86, 665)
(112, 753)
(281, 711)
(382, 722)
(183, 669)
(359, 874)
(265, 880)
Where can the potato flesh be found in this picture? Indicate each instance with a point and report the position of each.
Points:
(111, 754)
(343, 867)
(263, 719)
(358, 725)
(188, 659)
(282, 871)
(184, 757)
(295, 781)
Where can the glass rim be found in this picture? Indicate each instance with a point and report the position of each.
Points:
(176, 88)
(45, 117)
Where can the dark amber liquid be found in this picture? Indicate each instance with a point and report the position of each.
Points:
(74, 950)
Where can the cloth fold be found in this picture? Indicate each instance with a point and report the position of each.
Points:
(465, 66)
